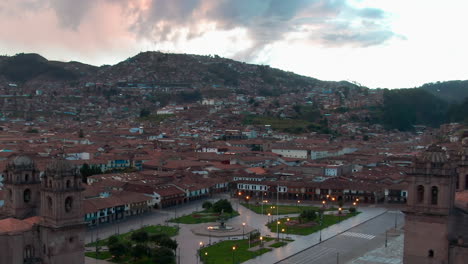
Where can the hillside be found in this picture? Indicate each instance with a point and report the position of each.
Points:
(156, 69)
(451, 91)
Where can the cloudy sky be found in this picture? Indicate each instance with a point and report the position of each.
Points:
(377, 43)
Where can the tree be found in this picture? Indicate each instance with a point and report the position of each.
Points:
(163, 255)
(112, 240)
(207, 205)
(222, 205)
(168, 243)
(140, 250)
(309, 215)
(144, 112)
(119, 249)
(140, 236)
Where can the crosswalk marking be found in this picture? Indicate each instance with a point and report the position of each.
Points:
(312, 258)
(359, 235)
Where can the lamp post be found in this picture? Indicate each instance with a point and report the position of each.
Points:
(277, 230)
(282, 230)
(386, 238)
(323, 204)
(320, 230)
(233, 250)
(206, 257)
(209, 234)
(238, 198)
(339, 214)
(243, 226)
(269, 217)
(261, 241)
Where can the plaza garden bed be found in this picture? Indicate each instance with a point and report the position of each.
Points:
(204, 216)
(282, 209)
(296, 226)
(151, 230)
(222, 253)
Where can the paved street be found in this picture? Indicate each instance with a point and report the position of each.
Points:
(352, 243)
(189, 243)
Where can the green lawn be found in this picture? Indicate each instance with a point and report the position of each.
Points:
(154, 229)
(222, 253)
(101, 255)
(328, 220)
(278, 244)
(282, 209)
(204, 216)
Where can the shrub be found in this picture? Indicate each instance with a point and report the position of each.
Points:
(207, 205)
(352, 210)
(140, 236)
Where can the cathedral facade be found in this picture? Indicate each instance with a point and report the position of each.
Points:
(436, 216)
(42, 220)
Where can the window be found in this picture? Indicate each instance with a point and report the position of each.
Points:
(27, 196)
(26, 177)
(434, 195)
(49, 202)
(420, 194)
(68, 204)
(430, 253)
(28, 252)
(68, 184)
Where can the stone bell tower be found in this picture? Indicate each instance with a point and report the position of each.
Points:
(62, 227)
(22, 185)
(431, 186)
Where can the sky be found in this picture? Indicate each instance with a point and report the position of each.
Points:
(376, 43)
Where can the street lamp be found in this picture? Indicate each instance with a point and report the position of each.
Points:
(321, 221)
(277, 229)
(197, 254)
(339, 214)
(243, 226)
(206, 257)
(233, 250)
(261, 241)
(209, 234)
(282, 230)
(269, 214)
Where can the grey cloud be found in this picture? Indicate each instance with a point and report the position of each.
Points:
(71, 12)
(267, 21)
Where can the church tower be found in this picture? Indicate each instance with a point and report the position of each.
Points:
(22, 185)
(62, 227)
(431, 186)
(462, 182)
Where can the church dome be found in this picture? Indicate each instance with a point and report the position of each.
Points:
(22, 162)
(60, 168)
(434, 154)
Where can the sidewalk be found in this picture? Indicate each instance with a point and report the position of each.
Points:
(301, 243)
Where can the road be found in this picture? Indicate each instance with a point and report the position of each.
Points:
(350, 244)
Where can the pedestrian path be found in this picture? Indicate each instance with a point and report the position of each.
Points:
(358, 235)
(314, 257)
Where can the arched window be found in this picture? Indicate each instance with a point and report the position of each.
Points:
(420, 194)
(27, 195)
(26, 177)
(49, 202)
(68, 204)
(430, 253)
(28, 252)
(434, 195)
(68, 184)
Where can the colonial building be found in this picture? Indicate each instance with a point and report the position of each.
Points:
(436, 229)
(42, 221)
